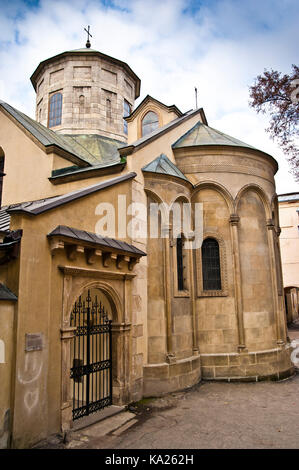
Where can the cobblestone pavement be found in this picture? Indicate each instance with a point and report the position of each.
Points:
(210, 415)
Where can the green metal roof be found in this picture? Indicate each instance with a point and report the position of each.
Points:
(201, 134)
(96, 149)
(45, 136)
(90, 149)
(162, 164)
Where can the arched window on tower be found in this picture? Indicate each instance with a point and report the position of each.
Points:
(55, 110)
(2, 161)
(211, 272)
(150, 122)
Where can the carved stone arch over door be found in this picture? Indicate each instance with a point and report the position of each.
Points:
(116, 287)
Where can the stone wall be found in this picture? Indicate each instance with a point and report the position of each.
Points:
(93, 93)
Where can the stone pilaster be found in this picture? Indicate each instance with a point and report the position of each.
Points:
(165, 229)
(279, 320)
(66, 334)
(234, 222)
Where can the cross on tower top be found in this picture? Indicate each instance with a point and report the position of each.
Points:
(88, 34)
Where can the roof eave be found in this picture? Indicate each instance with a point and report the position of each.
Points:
(167, 176)
(148, 98)
(45, 62)
(87, 173)
(176, 150)
(71, 197)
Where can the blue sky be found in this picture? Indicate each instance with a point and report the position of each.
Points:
(219, 46)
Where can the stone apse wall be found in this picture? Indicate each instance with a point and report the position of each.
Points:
(238, 332)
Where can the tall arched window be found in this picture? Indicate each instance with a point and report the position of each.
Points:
(55, 110)
(180, 263)
(150, 122)
(211, 273)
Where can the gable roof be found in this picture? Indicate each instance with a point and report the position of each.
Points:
(94, 239)
(163, 165)
(129, 149)
(45, 136)
(201, 134)
(148, 99)
(43, 205)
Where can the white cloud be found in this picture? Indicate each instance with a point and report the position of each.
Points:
(219, 47)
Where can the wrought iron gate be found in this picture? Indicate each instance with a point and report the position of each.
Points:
(92, 354)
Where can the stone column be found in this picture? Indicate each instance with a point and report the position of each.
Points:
(193, 304)
(234, 221)
(278, 317)
(165, 231)
(67, 334)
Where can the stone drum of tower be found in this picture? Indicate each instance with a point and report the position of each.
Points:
(85, 92)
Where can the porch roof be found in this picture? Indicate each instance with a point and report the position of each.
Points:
(93, 239)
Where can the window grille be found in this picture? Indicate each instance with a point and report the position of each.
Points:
(211, 273)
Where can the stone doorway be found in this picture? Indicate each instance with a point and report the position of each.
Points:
(91, 354)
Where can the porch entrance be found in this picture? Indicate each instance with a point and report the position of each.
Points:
(91, 370)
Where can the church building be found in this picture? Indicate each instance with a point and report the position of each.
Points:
(95, 312)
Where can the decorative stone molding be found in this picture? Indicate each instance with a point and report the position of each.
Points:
(93, 256)
(133, 262)
(95, 273)
(73, 251)
(56, 245)
(170, 358)
(122, 260)
(234, 219)
(67, 333)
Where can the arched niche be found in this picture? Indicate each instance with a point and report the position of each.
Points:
(256, 283)
(156, 322)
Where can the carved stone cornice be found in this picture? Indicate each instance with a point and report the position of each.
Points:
(95, 273)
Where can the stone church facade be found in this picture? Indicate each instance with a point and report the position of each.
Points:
(89, 319)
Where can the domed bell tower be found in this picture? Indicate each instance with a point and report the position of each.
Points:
(85, 92)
